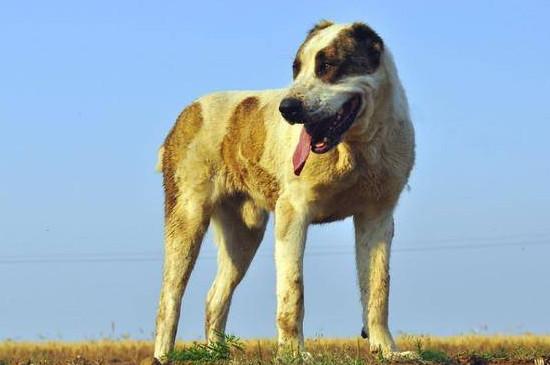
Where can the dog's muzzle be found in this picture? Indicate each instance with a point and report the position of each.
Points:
(319, 134)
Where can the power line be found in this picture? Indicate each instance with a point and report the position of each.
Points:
(149, 256)
(521, 236)
(476, 246)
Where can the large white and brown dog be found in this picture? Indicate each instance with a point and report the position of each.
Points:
(337, 143)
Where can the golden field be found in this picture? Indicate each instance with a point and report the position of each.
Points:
(469, 349)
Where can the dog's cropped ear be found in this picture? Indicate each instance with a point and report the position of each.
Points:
(322, 24)
(367, 36)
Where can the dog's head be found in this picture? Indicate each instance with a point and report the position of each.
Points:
(337, 73)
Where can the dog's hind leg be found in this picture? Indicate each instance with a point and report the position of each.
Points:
(185, 225)
(239, 226)
(372, 245)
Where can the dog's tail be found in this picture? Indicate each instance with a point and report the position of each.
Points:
(160, 157)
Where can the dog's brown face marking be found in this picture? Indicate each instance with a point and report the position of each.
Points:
(242, 149)
(187, 125)
(297, 64)
(355, 51)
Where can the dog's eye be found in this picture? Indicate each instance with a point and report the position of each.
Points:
(325, 67)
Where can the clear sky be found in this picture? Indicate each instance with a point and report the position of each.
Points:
(88, 90)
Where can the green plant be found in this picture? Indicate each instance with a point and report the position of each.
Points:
(492, 355)
(208, 353)
(432, 355)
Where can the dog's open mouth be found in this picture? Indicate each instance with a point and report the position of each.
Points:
(322, 136)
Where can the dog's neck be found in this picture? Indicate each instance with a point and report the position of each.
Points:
(389, 106)
(384, 143)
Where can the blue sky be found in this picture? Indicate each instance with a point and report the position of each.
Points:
(89, 90)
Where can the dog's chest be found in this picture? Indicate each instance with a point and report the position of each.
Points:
(368, 190)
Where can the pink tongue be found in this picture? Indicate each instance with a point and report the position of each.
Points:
(302, 151)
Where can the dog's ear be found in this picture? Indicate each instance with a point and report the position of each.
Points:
(368, 37)
(322, 24)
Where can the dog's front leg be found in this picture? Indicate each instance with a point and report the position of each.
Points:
(372, 244)
(291, 224)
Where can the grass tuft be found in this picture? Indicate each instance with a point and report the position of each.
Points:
(208, 353)
(436, 356)
(432, 355)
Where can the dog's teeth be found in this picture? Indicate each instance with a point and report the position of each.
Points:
(322, 143)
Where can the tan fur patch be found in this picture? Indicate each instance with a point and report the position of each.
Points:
(175, 147)
(252, 215)
(242, 149)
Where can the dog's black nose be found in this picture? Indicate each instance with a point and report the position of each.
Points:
(292, 109)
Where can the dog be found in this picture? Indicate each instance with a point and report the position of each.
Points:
(337, 143)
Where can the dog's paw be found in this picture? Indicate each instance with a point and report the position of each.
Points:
(381, 342)
(290, 355)
(402, 356)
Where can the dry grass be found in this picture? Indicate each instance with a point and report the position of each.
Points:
(474, 349)
(91, 352)
(480, 343)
